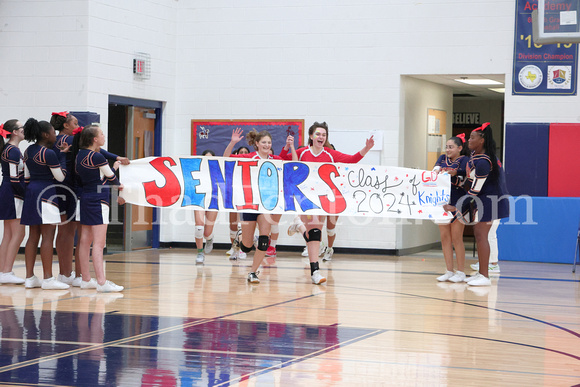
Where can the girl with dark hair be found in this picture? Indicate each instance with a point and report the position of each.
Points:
(94, 173)
(262, 142)
(42, 171)
(453, 162)
(310, 226)
(66, 124)
(204, 222)
(482, 203)
(11, 196)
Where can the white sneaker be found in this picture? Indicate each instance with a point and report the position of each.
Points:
(253, 278)
(322, 248)
(53, 284)
(208, 246)
(328, 254)
(32, 282)
(492, 268)
(200, 258)
(90, 284)
(448, 274)
(305, 252)
(471, 278)
(77, 282)
(230, 251)
(67, 280)
(295, 226)
(108, 287)
(317, 278)
(10, 278)
(242, 255)
(459, 276)
(479, 280)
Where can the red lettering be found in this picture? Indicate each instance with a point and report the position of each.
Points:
(339, 204)
(431, 177)
(168, 194)
(247, 184)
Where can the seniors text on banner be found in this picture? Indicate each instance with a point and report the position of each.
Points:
(274, 186)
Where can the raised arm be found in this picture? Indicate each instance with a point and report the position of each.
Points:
(290, 146)
(236, 137)
(368, 146)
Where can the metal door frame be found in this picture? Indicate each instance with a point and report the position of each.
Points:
(149, 104)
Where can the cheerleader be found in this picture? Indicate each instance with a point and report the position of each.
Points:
(454, 162)
(94, 173)
(40, 210)
(204, 222)
(310, 226)
(262, 142)
(481, 204)
(66, 124)
(234, 216)
(11, 196)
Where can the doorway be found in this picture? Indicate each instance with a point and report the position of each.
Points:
(135, 131)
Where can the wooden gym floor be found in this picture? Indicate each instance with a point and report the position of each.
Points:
(377, 321)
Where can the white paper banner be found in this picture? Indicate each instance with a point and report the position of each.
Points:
(285, 187)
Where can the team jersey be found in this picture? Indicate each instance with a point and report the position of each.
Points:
(91, 167)
(12, 169)
(327, 155)
(459, 165)
(38, 162)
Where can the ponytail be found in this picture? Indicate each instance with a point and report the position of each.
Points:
(33, 129)
(489, 146)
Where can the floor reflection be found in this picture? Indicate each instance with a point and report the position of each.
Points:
(92, 348)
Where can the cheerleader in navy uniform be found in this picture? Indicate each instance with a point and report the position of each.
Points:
(262, 142)
(66, 124)
(42, 171)
(482, 203)
(454, 162)
(94, 173)
(11, 197)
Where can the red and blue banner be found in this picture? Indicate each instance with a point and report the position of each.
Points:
(549, 69)
(285, 187)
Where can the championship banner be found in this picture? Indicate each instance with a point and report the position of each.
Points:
(285, 187)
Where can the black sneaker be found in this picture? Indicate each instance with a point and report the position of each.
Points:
(253, 278)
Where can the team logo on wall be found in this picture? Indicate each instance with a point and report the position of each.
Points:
(559, 77)
(530, 76)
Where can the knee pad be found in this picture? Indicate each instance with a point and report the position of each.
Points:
(198, 232)
(274, 229)
(244, 248)
(330, 232)
(313, 235)
(263, 242)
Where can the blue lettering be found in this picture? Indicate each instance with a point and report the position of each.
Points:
(190, 196)
(268, 185)
(294, 174)
(218, 182)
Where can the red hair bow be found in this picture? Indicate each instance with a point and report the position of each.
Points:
(78, 130)
(62, 114)
(4, 133)
(482, 127)
(461, 137)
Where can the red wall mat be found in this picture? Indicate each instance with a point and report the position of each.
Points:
(564, 161)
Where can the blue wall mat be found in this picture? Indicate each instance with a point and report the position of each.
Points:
(86, 118)
(552, 239)
(526, 158)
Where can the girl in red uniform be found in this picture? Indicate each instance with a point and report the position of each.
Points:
(262, 142)
(310, 225)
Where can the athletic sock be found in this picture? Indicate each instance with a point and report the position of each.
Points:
(273, 242)
(313, 267)
(199, 251)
